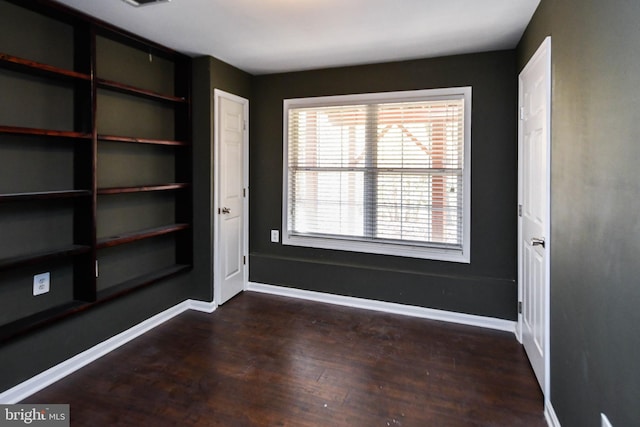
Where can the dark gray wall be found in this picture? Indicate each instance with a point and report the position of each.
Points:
(31, 354)
(595, 200)
(484, 287)
(208, 74)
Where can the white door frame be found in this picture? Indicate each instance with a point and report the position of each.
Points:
(544, 49)
(217, 95)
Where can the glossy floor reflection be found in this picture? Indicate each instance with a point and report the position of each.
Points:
(263, 360)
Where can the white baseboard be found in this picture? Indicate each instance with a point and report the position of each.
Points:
(550, 414)
(205, 307)
(387, 307)
(51, 375)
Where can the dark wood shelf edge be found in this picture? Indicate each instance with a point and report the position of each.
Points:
(115, 138)
(124, 238)
(40, 319)
(15, 130)
(140, 282)
(54, 314)
(132, 90)
(44, 195)
(40, 257)
(142, 188)
(9, 61)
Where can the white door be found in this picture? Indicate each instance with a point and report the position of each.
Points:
(230, 195)
(534, 199)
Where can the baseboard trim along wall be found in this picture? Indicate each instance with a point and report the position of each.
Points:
(51, 375)
(387, 307)
(69, 366)
(550, 414)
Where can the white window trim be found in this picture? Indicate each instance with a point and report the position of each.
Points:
(401, 249)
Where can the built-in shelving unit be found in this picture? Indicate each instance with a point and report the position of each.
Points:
(124, 238)
(25, 65)
(95, 148)
(141, 282)
(132, 90)
(16, 130)
(42, 257)
(134, 140)
(42, 319)
(142, 189)
(44, 195)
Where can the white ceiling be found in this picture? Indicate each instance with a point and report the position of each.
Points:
(267, 36)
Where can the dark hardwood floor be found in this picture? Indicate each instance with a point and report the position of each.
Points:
(263, 360)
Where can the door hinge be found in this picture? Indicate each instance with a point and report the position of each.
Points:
(219, 211)
(244, 260)
(519, 307)
(519, 210)
(96, 268)
(244, 192)
(244, 125)
(521, 113)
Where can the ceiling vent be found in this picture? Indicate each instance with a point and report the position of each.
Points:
(138, 3)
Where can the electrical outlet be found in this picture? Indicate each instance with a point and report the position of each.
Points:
(275, 236)
(605, 421)
(41, 283)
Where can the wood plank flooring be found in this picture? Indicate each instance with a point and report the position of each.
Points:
(263, 360)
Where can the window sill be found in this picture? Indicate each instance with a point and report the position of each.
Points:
(401, 250)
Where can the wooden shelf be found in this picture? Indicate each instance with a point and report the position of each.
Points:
(14, 130)
(129, 139)
(46, 317)
(132, 90)
(41, 319)
(37, 68)
(44, 195)
(142, 189)
(40, 257)
(73, 95)
(141, 282)
(122, 239)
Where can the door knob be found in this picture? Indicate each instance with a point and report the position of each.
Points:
(536, 241)
(226, 210)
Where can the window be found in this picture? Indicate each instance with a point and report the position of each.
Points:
(382, 173)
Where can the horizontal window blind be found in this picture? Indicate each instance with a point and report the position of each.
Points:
(387, 172)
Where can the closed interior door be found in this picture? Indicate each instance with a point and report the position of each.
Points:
(231, 192)
(534, 146)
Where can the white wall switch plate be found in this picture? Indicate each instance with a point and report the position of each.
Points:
(275, 236)
(41, 283)
(605, 421)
